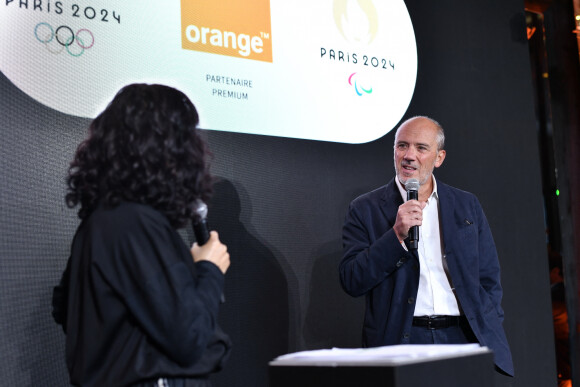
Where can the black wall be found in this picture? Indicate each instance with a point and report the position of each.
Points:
(280, 203)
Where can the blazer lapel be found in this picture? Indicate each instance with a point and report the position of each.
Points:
(390, 201)
(448, 225)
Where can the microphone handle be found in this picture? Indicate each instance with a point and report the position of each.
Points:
(201, 232)
(414, 230)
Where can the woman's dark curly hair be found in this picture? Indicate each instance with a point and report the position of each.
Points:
(143, 148)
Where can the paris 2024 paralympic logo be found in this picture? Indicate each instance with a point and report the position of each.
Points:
(358, 22)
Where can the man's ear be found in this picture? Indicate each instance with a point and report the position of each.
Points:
(440, 157)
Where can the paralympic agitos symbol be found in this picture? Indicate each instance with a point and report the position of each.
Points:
(63, 38)
(357, 86)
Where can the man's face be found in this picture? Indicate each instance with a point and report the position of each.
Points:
(415, 152)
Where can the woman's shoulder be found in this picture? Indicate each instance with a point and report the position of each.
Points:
(126, 216)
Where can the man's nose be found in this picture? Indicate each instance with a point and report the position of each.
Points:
(410, 154)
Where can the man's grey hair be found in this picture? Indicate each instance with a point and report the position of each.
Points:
(440, 132)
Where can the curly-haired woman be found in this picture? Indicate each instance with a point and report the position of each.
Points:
(138, 306)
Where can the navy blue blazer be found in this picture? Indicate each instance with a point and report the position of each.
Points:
(375, 264)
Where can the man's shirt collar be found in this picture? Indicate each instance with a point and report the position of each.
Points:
(403, 192)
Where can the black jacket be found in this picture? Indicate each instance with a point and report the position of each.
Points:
(133, 304)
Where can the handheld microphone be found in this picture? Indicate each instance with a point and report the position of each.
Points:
(412, 188)
(201, 231)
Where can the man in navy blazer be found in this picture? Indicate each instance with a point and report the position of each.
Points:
(448, 290)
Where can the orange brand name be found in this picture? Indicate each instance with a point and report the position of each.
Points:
(227, 27)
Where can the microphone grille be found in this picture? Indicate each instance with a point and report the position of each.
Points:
(201, 209)
(412, 185)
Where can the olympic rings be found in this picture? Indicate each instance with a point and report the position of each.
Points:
(71, 38)
(79, 39)
(64, 36)
(51, 32)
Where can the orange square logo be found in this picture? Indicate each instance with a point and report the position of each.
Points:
(235, 28)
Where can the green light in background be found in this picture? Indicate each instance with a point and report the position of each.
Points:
(557, 192)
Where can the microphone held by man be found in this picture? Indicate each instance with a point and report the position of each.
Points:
(412, 188)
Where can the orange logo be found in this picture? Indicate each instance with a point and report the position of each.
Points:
(227, 27)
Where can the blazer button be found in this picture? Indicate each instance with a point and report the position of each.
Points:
(411, 300)
(406, 335)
